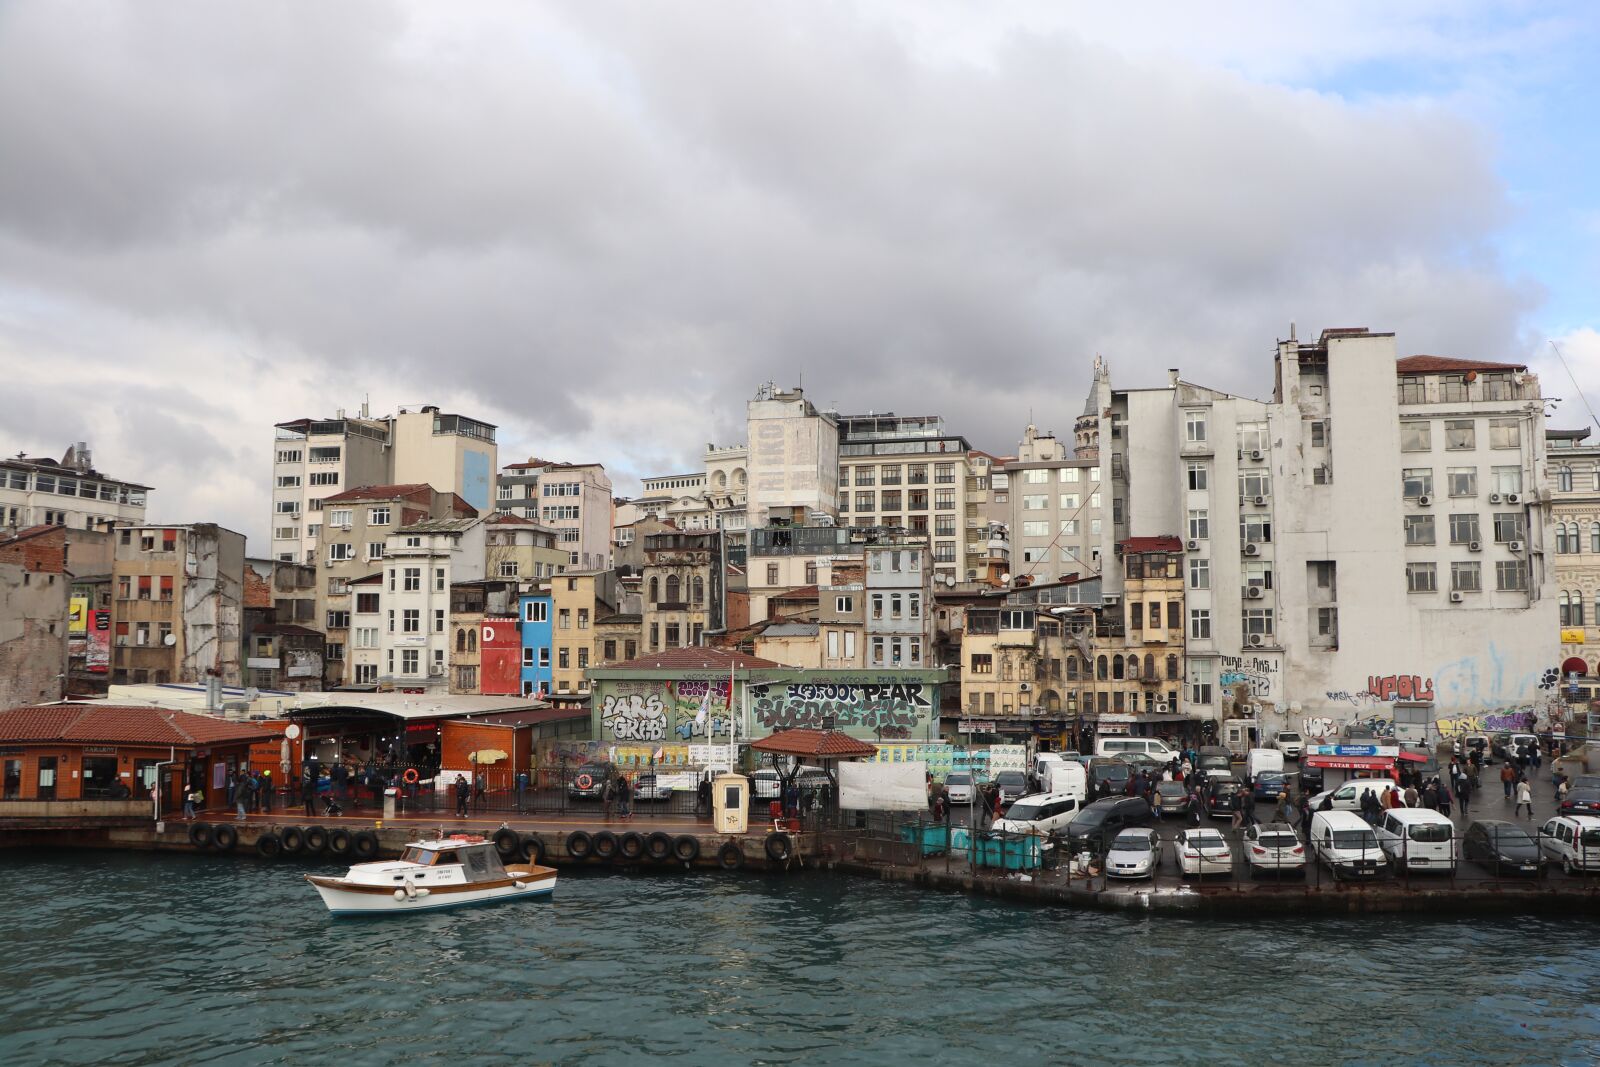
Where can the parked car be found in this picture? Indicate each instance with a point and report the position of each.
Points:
(1113, 772)
(589, 782)
(1134, 854)
(1150, 746)
(1572, 841)
(1346, 844)
(1201, 851)
(1273, 847)
(1099, 823)
(1418, 839)
(1220, 790)
(1581, 799)
(1259, 761)
(649, 787)
(765, 784)
(1012, 785)
(958, 787)
(1171, 798)
(1268, 784)
(1479, 742)
(1502, 848)
(1070, 778)
(1310, 778)
(1039, 813)
(1138, 761)
(1290, 744)
(1214, 758)
(1348, 796)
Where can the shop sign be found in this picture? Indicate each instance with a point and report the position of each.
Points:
(1572, 635)
(99, 750)
(1390, 751)
(976, 726)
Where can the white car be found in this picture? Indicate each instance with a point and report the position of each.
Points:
(958, 787)
(1274, 847)
(1574, 841)
(1202, 851)
(1290, 744)
(648, 787)
(766, 784)
(1039, 813)
(1134, 854)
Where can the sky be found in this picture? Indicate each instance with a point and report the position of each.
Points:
(602, 225)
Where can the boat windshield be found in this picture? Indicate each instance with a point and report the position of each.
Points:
(427, 857)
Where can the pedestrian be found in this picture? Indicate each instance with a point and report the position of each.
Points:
(703, 798)
(999, 802)
(1186, 768)
(1410, 796)
(266, 792)
(1195, 804)
(522, 790)
(1533, 756)
(480, 792)
(1508, 777)
(463, 794)
(1524, 796)
(308, 792)
(1248, 806)
(1443, 800)
(1561, 790)
(624, 798)
(1305, 814)
(233, 788)
(1285, 809)
(1464, 795)
(242, 798)
(1430, 795)
(608, 794)
(190, 799)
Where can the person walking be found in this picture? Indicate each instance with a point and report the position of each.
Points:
(1464, 795)
(522, 790)
(1248, 807)
(1285, 809)
(1508, 777)
(190, 799)
(1195, 804)
(308, 792)
(608, 794)
(266, 792)
(242, 798)
(1533, 756)
(1524, 796)
(624, 798)
(1305, 814)
(1561, 791)
(463, 794)
(1410, 796)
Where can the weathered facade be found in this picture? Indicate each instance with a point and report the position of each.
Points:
(35, 597)
(179, 604)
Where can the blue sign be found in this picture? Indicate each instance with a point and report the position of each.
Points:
(1352, 750)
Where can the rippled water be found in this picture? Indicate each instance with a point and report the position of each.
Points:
(130, 959)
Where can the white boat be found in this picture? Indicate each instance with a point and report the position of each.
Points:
(449, 872)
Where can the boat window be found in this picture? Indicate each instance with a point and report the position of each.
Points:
(476, 861)
(415, 855)
(442, 858)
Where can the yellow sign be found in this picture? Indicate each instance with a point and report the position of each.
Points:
(1572, 636)
(78, 619)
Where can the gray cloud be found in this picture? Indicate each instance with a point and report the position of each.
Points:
(602, 227)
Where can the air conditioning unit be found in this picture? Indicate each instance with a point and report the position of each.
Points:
(1255, 592)
(1474, 546)
(1512, 498)
(1424, 500)
(1161, 708)
(1494, 498)
(1254, 640)
(1255, 453)
(1515, 546)
(1456, 598)
(1192, 546)
(1252, 549)
(1024, 687)
(436, 671)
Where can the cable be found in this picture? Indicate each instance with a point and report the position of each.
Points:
(1568, 368)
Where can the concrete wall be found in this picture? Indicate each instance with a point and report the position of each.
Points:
(33, 634)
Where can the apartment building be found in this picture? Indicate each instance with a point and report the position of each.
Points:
(484, 656)
(364, 655)
(355, 542)
(35, 591)
(1574, 464)
(793, 458)
(842, 614)
(898, 593)
(1057, 520)
(579, 599)
(68, 492)
(521, 550)
(907, 472)
(713, 499)
(682, 582)
(1371, 544)
(1130, 680)
(314, 459)
(178, 612)
(422, 560)
(574, 499)
(538, 640)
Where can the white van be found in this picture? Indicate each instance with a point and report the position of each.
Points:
(1574, 840)
(1040, 768)
(1419, 839)
(1344, 841)
(1146, 746)
(1039, 813)
(1262, 759)
(1071, 779)
(1348, 796)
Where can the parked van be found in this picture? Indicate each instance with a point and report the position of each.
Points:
(1419, 839)
(1149, 746)
(1040, 813)
(1071, 779)
(1289, 743)
(1344, 841)
(1262, 759)
(1040, 767)
(1573, 841)
(1348, 796)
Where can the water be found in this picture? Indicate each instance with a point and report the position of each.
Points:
(139, 959)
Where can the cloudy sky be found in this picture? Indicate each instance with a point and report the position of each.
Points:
(602, 225)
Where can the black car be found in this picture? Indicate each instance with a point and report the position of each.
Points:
(1310, 779)
(1581, 800)
(1214, 758)
(1114, 772)
(1502, 848)
(1098, 824)
(1220, 792)
(589, 782)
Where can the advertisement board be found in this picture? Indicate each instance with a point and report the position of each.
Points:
(500, 658)
(97, 658)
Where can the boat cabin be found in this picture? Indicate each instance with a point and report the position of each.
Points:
(455, 860)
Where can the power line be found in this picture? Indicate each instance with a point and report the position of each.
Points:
(1568, 368)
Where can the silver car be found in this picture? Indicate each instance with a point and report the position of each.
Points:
(1134, 854)
(1274, 847)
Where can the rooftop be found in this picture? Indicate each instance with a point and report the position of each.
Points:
(122, 725)
(696, 658)
(436, 526)
(1446, 365)
(823, 744)
(1164, 543)
(379, 492)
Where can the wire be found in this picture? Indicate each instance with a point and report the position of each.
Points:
(1568, 367)
(1061, 525)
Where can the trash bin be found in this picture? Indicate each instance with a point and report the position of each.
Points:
(391, 799)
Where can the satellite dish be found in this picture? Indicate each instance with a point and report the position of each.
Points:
(1005, 579)
(170, 640)
(950, 580)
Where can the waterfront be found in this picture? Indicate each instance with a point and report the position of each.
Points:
(125, 958)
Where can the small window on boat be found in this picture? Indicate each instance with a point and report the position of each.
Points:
(476, 861)
(440, 859)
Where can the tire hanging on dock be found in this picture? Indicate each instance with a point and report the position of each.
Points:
(507, 843)
(533, 849)
(224, 837)
(200, 834)
(316, 838)
(364, 844)
(686, 848)
(294, 840)
(730, 857)
(605, 845)
(269, 846)
(631, 846)
(658, 846)
(339, 842)
(779, 847)
(580, 846)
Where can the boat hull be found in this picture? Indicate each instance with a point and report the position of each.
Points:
(344, 897)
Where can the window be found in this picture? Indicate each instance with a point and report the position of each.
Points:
(1460, 434)
(866, 476)
(1200, 681)
(410, 660)
(1505, 433)
(544, 652)
(1497, 386)
(1413, 389)
(1255, 530)
(917, 500)
(341, 552)
(1505, 480)
(1199, 573)
(877, 605)
(674, 590)
(1562, 541)
(536, 611)
(1199, 524)
(563, 618)
(1508, 527)
(1035, 503)
(944, 499)
(866, 501)
(1036, 529)
(1319, 434)
(1416, 481)
(1197, 477)
(1466, 577)
(378, 516)
(1256, 621)
(1463, 480)
(288, 455)
(366, 637)
(1200, 624)
(438, 579)
(1194, 427)
(1069, 501)
(1564, 478)
(583, 659)
(1419, 529)
(1453, 388)
(772, 574)
(1069, 527)
(1510, 574)
(413, 579)
(1069, 475)
(391, 620)
(509, 568)
(411, 621)
(673, 635)
(891, 500)
(1416, 436)
(1422, 578)
(1464, 529)
(438, 620)
(563, 660)
(339, 517)
(1327, 623)
(1254, 483)
(982, 663)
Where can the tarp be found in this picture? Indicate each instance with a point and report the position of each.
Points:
(883, 786)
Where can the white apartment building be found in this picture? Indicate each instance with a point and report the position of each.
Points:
(1368, 546)
(793, 458)
(898, 580)
(574, 499)
(713, 499)
(35, 491)
(421, 561)
(907, 472)
(1057, 509)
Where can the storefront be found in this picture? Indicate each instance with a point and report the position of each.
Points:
(1340, 763)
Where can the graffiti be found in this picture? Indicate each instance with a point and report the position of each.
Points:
(634, 717)
(1344, 696)
(889, 710)
(1316, 727)
(1551, 679)
(1375, 725)
(1258, 673)
(688, 696)
(1503, 719)
(689, 729)
(1399, 687)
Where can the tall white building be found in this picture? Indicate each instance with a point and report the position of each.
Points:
(793, 457)
(1368, 546)
(35, 491)
(421, 562)
(574, 499)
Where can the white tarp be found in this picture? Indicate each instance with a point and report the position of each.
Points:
(883, 786)
(1008, 758)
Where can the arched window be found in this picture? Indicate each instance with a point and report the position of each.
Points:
(461, 640)
(1100, 668)
(655, 590)
(674, 589)
(1072, 668)
(1117, 667)
(1594, 536)
(1577, 609)
(1133, 666)
(1564, 478)
(699, 586)
(1172, 668)
(1566, 610)
(1561, 538)
(1149, 666)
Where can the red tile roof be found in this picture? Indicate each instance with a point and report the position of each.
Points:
(504, 519)
(379, 492)
(799, 592)
(121, 725)
(1446, 365)
(1164, 543)
(696, 658)
(818, 744)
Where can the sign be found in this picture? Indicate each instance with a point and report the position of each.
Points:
(99, 750)
(292, 731)
(1008, 758)
(975, 726)
(1389, 751)
(78, 616)
(500, 660)
(98, 658)
(1572, 635)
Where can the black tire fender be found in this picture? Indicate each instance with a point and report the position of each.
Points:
(631, 845)
(730, 857)
(779, 847)
(316, 839)
(200, 834)
(339, 842)
(364, 844)
(686, 848)
(507, 842)
(294, 840)
(605, 845)
(580, 846)
(658, 846)
(268, 846)
(224, 837)
(533, 849)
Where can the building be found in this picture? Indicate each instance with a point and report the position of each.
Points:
(315, 459)
(574, 499)
(908, 473)
(422, 560)
(355, 543)
(485, 647)
(579, 599)
(1575, 505)
(683, 588)
(365, 655)
(281, 650)
(1129, 683)
(627, 543)
(68, 492)
(35, 603)
(713, 499)
(793, 458)
(179, 609)
(1369, 547)
(1057, 520)
(538, 640)
(899, 606)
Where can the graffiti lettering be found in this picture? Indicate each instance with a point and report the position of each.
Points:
(1391, 687)
(889, 710)
(689, 729)
(634, 717)
(1255, 672)
(1512, 719)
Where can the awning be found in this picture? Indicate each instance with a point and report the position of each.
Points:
(1413, 757)
(1351, 763)
(1575, 665)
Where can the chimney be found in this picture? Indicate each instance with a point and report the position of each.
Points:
(1172, 377)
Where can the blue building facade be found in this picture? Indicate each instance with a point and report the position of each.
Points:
(537, 637)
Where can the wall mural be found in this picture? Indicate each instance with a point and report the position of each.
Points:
(889, 710)
(1260, 673)
(664, 711)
